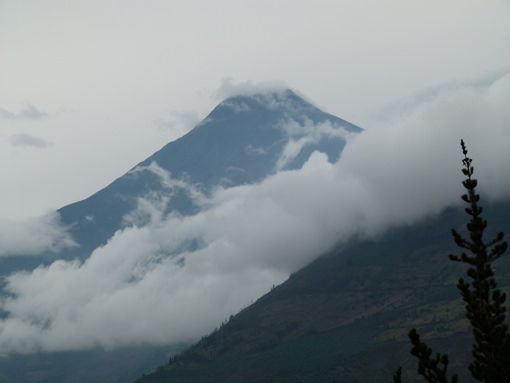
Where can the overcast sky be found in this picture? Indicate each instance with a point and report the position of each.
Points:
(90, 88)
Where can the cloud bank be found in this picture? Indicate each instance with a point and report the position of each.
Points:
(176, 278)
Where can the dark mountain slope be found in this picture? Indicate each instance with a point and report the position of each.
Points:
(345, 317)
(240, 141)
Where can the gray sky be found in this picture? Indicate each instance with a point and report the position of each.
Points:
(90, 88)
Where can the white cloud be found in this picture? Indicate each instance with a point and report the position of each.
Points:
(33, 236)
(306, 133)
(178, 277)
(269, 94)
(237, 107)
(230, 88)
(151, 207)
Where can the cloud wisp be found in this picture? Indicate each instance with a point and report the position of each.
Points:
(33, 236)
(229, 88)
(176, 278)
(29, 112)
(23, 139)
(302, 134)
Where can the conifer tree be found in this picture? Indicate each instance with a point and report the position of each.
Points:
(485, 308)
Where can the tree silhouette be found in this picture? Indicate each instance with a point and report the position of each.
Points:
(485, 308)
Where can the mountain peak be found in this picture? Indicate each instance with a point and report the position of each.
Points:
(243, 140)
(283, 100)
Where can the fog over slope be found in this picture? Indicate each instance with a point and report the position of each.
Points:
(251, 237)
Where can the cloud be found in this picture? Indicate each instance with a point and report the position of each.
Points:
(306, 133)
(23, 139)
(411, 167)
(29, 112)
(237, 107)
(409, 104)
(153, 205)
(271, 95)
(33, 236)
(177, 277)
(230, 88)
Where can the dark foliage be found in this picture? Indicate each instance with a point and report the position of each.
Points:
(484, 301)
(432, 369)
